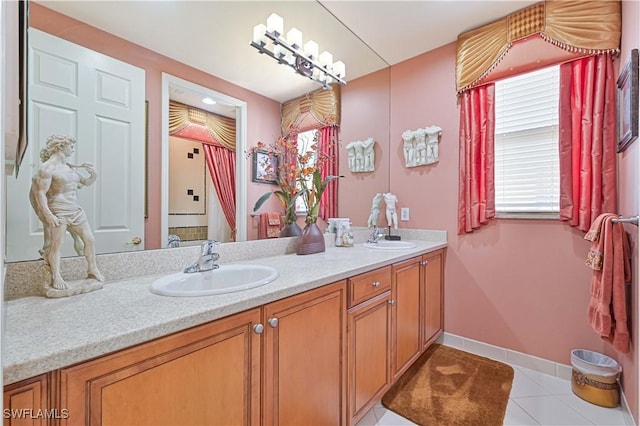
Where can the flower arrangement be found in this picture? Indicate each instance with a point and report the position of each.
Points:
(299, 175)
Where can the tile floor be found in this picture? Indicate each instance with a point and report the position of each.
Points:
(536, 399)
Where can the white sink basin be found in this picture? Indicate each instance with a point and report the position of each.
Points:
(390, 245)
(225, 279)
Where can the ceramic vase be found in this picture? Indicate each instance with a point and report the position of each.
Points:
(311, 240)
(290, 230)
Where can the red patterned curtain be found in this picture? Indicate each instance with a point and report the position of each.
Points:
(587, 140)
(222, 168)
(476, 193)
(327, 143)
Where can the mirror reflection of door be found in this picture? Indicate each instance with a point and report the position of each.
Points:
(99, 101)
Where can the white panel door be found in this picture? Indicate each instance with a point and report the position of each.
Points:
(100, 101)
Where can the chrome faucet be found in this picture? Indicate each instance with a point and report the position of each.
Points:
(375, 236)
(207, 260)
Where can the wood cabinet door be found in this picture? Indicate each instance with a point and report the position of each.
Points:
(433, 297)
(305, 358)
(26, 403)
(369, 352)
(206, 375)
(405, 315)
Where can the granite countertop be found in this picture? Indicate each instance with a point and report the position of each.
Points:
(42, 334)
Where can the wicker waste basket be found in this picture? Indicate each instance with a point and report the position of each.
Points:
(595, 378)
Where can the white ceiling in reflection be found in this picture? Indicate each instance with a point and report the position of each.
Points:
(214, 36)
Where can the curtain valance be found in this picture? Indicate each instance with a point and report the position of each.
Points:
(575, 26)
(322, 105)
(223, 129)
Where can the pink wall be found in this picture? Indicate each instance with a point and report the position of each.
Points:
(519, 284)
(263, 114)
(365, 113)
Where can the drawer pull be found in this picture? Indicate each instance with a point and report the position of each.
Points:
(376, 284)
(392, 302)
(273, 322)
(258, 328)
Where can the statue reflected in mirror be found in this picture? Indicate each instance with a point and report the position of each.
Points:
(361, 155)
(53, 196)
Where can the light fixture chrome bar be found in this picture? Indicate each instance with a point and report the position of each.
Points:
(302, 65)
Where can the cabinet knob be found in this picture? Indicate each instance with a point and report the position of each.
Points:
(273, 322)
(376, 284)
(392, 302)
(424, 262)
(258, 328)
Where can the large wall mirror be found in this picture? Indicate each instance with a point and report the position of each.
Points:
(142, 153)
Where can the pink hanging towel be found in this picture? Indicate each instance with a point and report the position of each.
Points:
(609, 257)
(270, 225)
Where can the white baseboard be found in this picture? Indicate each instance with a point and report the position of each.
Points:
(541, 365)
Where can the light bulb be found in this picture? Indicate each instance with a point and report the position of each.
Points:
(326, 60)
(279, 51)
(275, 23)
(339, 69)
(258, 33)
(311, 50)
(294, 38)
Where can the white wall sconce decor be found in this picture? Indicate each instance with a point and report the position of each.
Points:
(305, 60)
(361, 155)
(420, 146)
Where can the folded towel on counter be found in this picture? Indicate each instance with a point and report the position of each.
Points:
(270, 225)
(609, 257)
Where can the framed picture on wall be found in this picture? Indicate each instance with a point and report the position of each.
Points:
(628, 102)
(265, 167)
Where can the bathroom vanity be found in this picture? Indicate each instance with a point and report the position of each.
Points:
(321, 344)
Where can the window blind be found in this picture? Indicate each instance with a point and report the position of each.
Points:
(526, 143)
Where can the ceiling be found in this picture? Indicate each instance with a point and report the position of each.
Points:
(214, 36)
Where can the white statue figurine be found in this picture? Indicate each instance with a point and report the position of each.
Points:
(392, 216)
(359, 156)
(369, 155)
(53, 195)
(375, 211)
(434, 134)
(420, 137)
(408, 148)
(421, 146)
(351, 153)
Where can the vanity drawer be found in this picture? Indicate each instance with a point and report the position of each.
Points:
(365, 286)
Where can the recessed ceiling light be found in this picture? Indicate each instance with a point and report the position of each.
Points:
(208, 101)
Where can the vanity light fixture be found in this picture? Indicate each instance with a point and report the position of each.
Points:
(304, 59)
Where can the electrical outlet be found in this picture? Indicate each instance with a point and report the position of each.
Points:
(404, 213)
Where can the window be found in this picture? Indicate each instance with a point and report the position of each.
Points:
(305, 142)
(526, 143)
